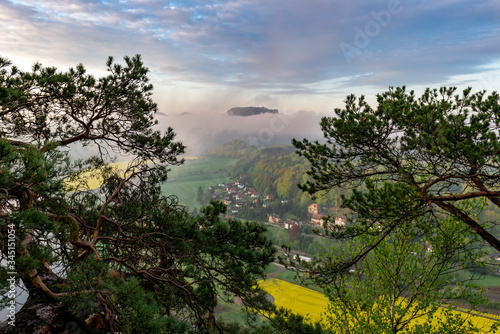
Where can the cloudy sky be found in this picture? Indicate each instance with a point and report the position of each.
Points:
(207, 56)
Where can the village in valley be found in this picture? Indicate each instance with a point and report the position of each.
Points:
(239, 196)
(243, 200)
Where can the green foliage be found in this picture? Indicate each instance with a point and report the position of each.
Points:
(276, 171)
(441, 147)
(310, 244)
(401, 280)
(421, 171)
(141, 312)
(191, 261)
(233, 149)
(81, 282)
(46, 106)
(288, 322)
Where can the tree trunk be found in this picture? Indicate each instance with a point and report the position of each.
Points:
(38, 316)
(41, 315)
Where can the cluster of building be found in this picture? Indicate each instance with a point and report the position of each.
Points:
(317, 218)
(236, 194)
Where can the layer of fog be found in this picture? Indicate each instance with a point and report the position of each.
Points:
(200, 132)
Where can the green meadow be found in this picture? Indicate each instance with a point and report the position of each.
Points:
(184, 180)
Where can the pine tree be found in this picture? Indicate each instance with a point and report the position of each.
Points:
(122, 257)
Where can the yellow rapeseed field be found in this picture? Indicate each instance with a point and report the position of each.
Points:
(312, 304)
(91, 180)
(295, 297)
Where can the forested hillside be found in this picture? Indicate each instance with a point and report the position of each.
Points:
(278, 170)
(233, 149)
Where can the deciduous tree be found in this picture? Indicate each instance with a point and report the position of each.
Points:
(407, 284)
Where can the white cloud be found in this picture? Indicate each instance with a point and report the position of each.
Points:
(288, 50)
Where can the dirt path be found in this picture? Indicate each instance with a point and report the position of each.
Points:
(280, 268)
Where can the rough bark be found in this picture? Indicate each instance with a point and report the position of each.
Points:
(42, 315)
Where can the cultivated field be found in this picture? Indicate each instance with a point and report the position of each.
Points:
(312, 304)
(300, 300)
(90, 180)
(184, 180)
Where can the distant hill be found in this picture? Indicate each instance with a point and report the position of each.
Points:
(249, 111)
(233, 149)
